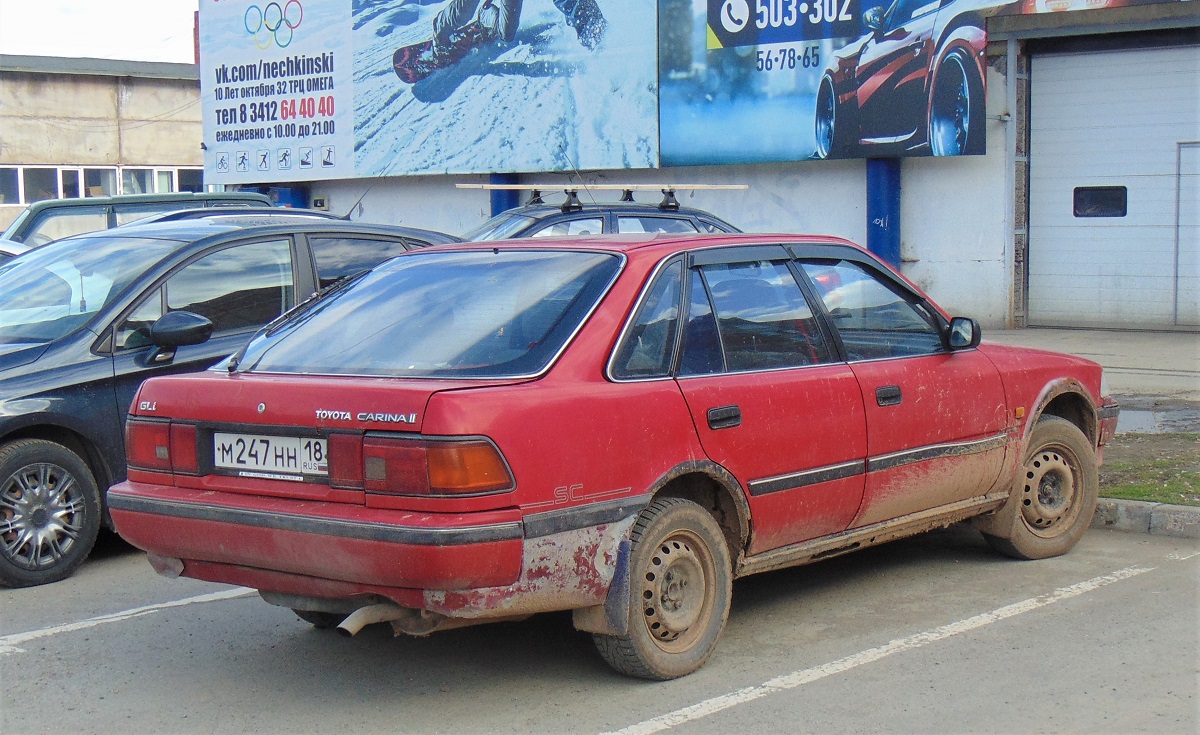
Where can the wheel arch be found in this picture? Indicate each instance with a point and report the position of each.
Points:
(966, 40)
(102, 472)
(715, 489)
(1068, 399)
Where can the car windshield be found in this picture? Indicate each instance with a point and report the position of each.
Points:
(465, 314)
(500, 227)
(50, 291)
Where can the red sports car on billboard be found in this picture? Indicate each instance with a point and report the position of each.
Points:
(913, 83)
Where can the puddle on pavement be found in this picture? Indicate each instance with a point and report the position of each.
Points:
(1165, 420)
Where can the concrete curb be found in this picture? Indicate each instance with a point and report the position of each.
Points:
(1137, 516)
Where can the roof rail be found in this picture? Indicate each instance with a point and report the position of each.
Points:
(572, 203)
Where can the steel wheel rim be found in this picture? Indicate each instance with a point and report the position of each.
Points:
(41, 516)
(951, 115)
(678, 591)
(1050, 496)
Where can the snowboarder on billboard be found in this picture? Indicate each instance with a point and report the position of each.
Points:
(464, 24)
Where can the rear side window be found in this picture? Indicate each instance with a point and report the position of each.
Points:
(762, 319)
(649, 346)
(654, 224)
(586, 226)
(57, 225)
(338, 257)
(462, 314)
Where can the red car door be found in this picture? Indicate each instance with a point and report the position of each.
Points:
(770, 400)
(936, 419)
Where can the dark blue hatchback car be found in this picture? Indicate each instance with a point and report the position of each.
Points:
(84, 320)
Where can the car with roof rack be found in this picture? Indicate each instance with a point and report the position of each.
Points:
(85, 319)
(613, 425)
(573, 217)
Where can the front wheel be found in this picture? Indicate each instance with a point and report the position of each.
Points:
(1056, 493)
(680, 582)
(49, 512)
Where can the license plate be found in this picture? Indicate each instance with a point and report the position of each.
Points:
(272, 457)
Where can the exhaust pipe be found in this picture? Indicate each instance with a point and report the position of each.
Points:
(364, 616)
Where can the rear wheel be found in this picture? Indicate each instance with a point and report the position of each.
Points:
(1056, 495)
(680, 583)
(956, 108)
(49, 512)
(831, 128)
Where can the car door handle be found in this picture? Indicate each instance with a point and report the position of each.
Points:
(888, 395)
(724, 417)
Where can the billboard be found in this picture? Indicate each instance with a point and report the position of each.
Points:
(297, 90)
(771, 80)
(302, 90)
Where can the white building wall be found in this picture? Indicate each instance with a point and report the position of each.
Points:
(955, 233)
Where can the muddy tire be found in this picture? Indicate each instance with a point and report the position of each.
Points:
(49, 512)
(680, 583)
(318, 619)
(1056, 493)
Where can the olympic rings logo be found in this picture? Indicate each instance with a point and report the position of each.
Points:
(275, 23)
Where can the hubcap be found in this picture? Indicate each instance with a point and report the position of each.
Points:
(1048, 501)
(41, 515)
(676, 591)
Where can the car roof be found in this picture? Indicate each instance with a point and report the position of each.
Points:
(236, 198)
(544, 210)
(266, 214)
(194, 230)
(644, 241)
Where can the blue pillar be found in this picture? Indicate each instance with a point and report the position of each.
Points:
(503, 199)
(883, 209)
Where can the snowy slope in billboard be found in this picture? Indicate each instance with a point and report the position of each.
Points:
(542, 103)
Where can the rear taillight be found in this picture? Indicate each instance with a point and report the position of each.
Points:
(345, 460)
(161, 446)
(433, 467)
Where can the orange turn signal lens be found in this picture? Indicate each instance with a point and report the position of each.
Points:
(466, 467)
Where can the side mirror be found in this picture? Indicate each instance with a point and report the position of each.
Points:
(873, 18)
(180, 328)
(964, 333)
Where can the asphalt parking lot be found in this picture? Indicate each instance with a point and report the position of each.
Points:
(934, 634)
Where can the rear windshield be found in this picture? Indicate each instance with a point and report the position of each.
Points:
(479, 314)
(500, 227)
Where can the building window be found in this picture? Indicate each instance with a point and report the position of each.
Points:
(10, 193)
(40, 184)
(191, 179)
(27, 184)
(137, 181)
(1101, 201)
(100, 182)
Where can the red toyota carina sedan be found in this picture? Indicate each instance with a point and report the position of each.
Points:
(615, 426)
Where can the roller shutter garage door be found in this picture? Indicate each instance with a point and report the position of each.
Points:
(1114, 201)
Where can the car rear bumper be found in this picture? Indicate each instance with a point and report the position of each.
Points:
(333, 542)
(482, 565)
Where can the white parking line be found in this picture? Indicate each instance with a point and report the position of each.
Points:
(11, 643)
(800, 678)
